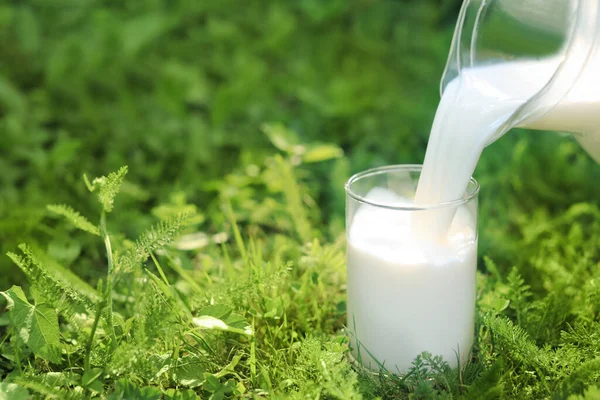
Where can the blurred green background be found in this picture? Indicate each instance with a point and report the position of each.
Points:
(180, 91)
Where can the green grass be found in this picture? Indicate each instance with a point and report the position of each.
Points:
(213, 266)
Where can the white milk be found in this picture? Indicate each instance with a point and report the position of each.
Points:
(472, 109)
(579, 111)
(476, 104)
(406, 296)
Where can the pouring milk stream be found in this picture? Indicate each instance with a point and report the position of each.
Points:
(485, 96)
(411, 273)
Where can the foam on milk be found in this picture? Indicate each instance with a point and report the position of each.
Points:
(405, 295)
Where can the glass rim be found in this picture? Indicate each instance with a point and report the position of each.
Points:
(412, 207)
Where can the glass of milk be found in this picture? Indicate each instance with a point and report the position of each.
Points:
(407, 292)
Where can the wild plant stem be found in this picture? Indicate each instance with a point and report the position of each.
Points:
(109, 280)
(90, 343)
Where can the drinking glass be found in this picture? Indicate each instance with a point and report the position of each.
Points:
(406, 293)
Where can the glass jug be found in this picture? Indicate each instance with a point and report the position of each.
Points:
(563, 34)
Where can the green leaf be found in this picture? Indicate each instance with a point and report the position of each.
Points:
(141, 31)
(591, 393)
(78, 220)
(228, 322)
(500, 304)
(322, 152)
(55, 283)
(108, 187)
(281, 137)
(225, 314)
(189, 371)
(36, 325)
(12, 391)
(91, 379)
(153, 239)
(177, 206)
(10, 96)
(28, 29)
(62, 379)
(173, 394)
(211, 323)
(218, 389)
(64, 250)
(126, 390)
